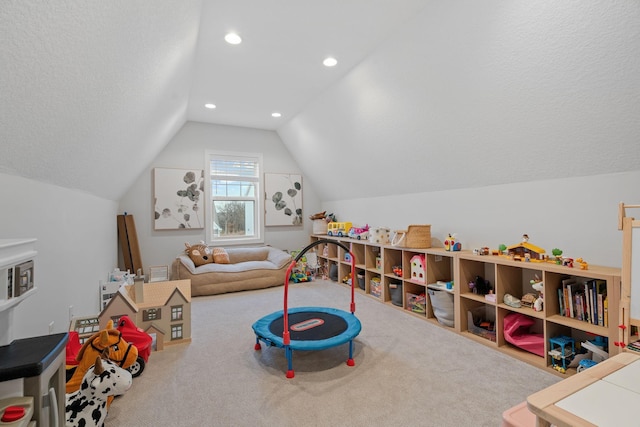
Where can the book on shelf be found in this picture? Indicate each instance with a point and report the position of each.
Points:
(584, 300)
(568, 299)
(561, 301)
(601, 289)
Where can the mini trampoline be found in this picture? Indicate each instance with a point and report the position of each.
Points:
(309, 328)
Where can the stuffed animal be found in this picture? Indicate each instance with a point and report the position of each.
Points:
(200, 254)
(109, 339)
(87, 406)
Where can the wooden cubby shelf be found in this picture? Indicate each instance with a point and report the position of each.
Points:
(477, 316)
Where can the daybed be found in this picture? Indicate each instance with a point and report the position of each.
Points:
(248, 268)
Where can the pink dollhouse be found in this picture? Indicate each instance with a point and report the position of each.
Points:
(418, 268)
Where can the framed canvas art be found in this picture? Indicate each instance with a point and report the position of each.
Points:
(178, 196)
(283, 199)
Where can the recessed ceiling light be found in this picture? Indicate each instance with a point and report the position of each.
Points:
(330, 62)
(210, 106)
(233, 38)
(276, 114)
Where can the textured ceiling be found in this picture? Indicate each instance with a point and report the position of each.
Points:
(278, 66)
(93, 90)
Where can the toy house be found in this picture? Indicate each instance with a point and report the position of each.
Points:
(418, 268)
(525, 250)
(162, 309)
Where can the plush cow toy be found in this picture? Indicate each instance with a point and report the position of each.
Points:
(87, 407)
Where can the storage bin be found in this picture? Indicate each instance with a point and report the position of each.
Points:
(415, 237)
(477, 317)
(442, 304)
(375, 289)
(395, 289)
(333, 272)
(416, 303)
(319, 226)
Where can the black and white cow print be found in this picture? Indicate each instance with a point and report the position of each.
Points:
(87, 407)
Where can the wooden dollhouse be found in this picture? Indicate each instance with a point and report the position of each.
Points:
(418, 272)
(162, 309)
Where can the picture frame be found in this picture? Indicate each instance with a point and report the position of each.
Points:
(158, 273)
(178, 196)
(283, 199)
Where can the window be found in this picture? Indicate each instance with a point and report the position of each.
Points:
(176, 332)
(234, 206)
(176, 312)
(151, 314)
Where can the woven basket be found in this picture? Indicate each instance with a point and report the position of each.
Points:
(416, 237)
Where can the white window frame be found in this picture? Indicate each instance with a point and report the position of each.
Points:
(258, 200)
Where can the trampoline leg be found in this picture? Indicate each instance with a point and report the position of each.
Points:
(350, 361)
(289, 353)
(257, 346)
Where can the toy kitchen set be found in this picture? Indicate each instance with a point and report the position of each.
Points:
(32, 370)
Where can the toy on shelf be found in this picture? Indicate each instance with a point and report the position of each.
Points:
(480, 286)
(481, 251)
(451, 243)
(319, 215)
(339, 229)
(417, 303)
(380, 235)
(104, 380)
(560, 354)
(397, 270)
(525, 251)
(583, 264)
(538, 286)
(418, 271)
(359, 233)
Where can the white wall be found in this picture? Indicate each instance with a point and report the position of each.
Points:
(76, 247)
(186, 150)
(578, 215)
(478, 93)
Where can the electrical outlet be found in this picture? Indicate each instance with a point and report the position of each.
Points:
(51, 327)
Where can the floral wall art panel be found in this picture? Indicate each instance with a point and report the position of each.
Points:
(283, 204)
(178, 196)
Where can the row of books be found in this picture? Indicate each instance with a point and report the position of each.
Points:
(584, 300)
(635, 346)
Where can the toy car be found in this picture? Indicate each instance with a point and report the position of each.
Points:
(585, 364)
(142, 340)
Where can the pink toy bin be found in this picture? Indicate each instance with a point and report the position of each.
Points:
(516, 332)
(518, 416)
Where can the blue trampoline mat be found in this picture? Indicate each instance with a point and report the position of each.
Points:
(310, 328)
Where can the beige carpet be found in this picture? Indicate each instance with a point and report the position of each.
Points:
(408, 372)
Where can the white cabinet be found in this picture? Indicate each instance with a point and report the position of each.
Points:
(17, 262)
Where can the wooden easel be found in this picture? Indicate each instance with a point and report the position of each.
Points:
(629, 310)
(129, 243)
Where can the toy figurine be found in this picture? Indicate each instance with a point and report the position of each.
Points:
(451, 243)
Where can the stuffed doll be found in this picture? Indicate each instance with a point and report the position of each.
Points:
(200, 254)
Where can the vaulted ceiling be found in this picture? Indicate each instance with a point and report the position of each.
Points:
(93, 90)
(437, 94)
